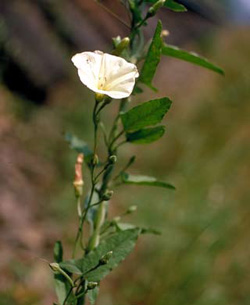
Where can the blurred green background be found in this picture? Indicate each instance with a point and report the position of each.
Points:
(202, 256)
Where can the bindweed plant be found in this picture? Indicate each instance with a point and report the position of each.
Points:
(102, 243)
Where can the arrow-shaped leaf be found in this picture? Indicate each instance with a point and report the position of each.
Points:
(152, 59)
(144, 180)
(172, 5)
(191, 57)
(146, 114)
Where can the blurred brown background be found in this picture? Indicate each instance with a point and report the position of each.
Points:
(202, 257)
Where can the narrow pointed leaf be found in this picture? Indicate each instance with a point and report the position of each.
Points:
(150, 231)
(125, 226)
(191, 57)
(146, 114)
(152, 59)
(58, 251)
(172, 5)
(146, 135)
(121, 243)
(145, 180)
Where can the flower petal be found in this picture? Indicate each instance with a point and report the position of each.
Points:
(120, 76)
(88, 65)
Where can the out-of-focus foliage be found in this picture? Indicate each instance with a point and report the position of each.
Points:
(201, 257)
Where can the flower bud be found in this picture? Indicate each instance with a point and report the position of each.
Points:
(105, 259)
(55, 267)
(112, 159)
(132, 209)
(91, 285)
(164, 33)
(99, 97)
(121, 46)
(78, 188)
(95, 159)
(116, 40)
(131, 5)
(154, 8)
(107, 195)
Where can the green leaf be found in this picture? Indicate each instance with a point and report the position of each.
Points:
(172, 5)
(61, 287)
(150, 231)
(61, 284)
(93, 294)
(121, 243)
(79, 146)
(152, 58)
(191, 57)
(146, 135)
(144, 180)
(125, 226)
(146, 114)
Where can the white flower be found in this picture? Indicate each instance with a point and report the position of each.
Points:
(106, 74)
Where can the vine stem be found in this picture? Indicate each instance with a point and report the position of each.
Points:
(95, 121)
(68, 295)
(93, 183)
(101, 212)
(116, 138)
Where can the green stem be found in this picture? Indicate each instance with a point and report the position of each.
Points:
(130, 162)
(100, 217)
(68, 295)
(113, 129)
(106, 166)
(82, 294)
(104, 133)
(116, 138)
(81, 222)
(122, 107)
(93, 165)
(101, 212)
(79, 208)
(95, 121)
(120, 144)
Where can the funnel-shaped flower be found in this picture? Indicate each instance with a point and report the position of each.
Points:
(106, 74)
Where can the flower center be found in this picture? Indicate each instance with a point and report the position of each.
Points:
(101, 82)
